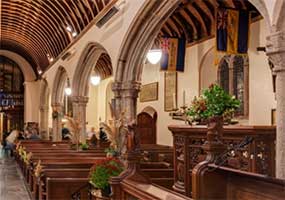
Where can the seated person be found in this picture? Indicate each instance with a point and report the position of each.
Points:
(21, 136)
(11, 140)
(91, 133)
(93, 140)
(65, 133)
(33, 136)
(102, 135)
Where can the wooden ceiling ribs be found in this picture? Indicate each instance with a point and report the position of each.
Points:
(37, 29)
(23, 14)
(103, 66)
(29, 29)
(200, 16)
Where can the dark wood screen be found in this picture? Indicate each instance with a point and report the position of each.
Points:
(11, 94)
(147, 127)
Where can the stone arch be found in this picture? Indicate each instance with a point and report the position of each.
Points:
(86, 63)
(138, 40)
(278, 18)
(260, 5)
(26, 68)
(44, 109)
(88, 60)
(57, 102)
(58, 86)
(109, 97)
(202, 66)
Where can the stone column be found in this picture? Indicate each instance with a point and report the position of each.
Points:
(275, 49)
(116, 87)
(44, 132)
(57, 122)
(246, 85)
(129, 95)
(79, 104)
(231, 74)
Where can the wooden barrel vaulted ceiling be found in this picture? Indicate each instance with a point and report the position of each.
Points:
(39, 30)
(194, 20)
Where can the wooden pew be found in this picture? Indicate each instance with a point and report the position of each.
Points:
(130, 189)
(44, 186)
(156, 152)
(212, 182)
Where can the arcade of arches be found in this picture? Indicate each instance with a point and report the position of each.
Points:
(72, 68)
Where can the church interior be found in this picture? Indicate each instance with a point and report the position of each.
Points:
(142, 99)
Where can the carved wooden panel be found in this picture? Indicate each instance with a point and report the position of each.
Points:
(257, 157)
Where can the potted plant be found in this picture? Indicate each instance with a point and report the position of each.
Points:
(101, 172)
(213, 103)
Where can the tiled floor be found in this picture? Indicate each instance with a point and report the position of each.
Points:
(12, 185)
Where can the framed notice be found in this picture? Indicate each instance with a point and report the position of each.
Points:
(149, 92)
(170, 91)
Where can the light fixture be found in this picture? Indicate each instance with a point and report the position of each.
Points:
(50, 59)
(95, 80)
(69, 28)
(68, 90)
(40, 71)
(74, 34)
(154, 56)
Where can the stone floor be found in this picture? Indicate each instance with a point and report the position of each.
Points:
(12, 186)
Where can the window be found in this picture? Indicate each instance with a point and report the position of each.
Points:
(233, 78)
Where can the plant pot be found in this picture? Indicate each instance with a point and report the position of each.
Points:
(106, 191)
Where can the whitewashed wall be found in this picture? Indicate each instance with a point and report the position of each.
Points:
(201, 58)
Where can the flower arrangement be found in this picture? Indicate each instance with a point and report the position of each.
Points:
(102, 170)
(213, 102)
(74, 126)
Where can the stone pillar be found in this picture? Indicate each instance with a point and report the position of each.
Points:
(246, 85)
(275, 49)
(116, 87)
(129, 95)
(231, 74)
(79, 104)
(57, 121)
(44, 132)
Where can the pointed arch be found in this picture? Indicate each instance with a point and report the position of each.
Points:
(87, 61)
(44, 109)
(58, 86)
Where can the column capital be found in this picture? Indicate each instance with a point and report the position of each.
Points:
(130, 89)
(80, 99)
(275, 50)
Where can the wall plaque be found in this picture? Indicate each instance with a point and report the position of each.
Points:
(149, 92)
(170, 91)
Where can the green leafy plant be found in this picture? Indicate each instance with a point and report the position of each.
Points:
(84, 146)
(214, 101)
(102, 170)
(111, 152)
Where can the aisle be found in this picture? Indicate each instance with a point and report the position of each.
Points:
(11, 183)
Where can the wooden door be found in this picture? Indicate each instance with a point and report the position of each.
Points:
(147, 127)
